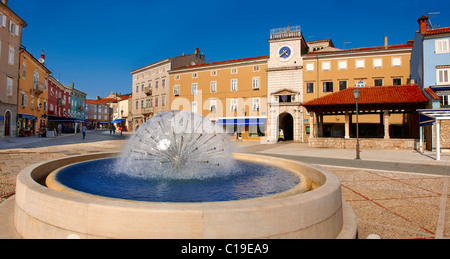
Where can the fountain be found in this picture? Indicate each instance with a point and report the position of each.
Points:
(178, 178)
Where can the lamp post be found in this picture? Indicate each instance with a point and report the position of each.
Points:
(121, 123)
(356, 94)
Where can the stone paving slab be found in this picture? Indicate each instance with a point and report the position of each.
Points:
(391, 204)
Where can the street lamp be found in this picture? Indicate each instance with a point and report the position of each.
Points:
(121, 123)
(356, 94)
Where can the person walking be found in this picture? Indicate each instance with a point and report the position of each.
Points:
(83, 130)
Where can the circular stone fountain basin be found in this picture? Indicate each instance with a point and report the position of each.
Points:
(101, 177)
(43, 212)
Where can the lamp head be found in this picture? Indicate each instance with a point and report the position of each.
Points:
(356, 93)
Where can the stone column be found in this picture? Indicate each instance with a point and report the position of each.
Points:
(386, 124)
(347, 125)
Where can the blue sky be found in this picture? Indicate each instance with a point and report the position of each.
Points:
(96, 43)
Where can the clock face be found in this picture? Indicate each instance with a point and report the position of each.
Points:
(285, 53)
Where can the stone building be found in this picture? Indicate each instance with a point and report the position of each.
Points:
(150, 93)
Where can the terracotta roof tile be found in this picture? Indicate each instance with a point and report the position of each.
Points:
(436, 31)
(432, 93)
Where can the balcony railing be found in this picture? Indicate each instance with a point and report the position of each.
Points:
(38, 88)
(147, 110)
(148, 90)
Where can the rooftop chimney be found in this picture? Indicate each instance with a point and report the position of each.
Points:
(385, 42)
(423, 23)
(42, 59)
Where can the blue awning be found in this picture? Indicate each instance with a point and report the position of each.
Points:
(241, 122)
(26, 116)
(117, 120)
(2, 118)
(426, 120)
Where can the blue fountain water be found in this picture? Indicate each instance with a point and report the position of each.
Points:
(249, 180)
(177, 157)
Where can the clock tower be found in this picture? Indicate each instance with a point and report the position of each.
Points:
(285, 84)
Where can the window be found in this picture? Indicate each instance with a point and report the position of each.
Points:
(360, 83)
(137, 105)
(327, 87)
(396, 62)
(309, 67)
(24, 99)
(442, 46)
(255, 104)
(326, 65)
(194, 75)
(11, 55)
(147, 103)
(213, 73)
(377, 62)
(137, 88)
(142, 87)
(156, 101)
(213, 86)
(13, 28)
(9, 86)
(255, 68)
(360, 63)
(255, 83)
(163, 101)
(445, 101)
(443, 76)
(233, 106)
(142, 103)
(342, 64)
(234, 71)
(213, 106)
(397, 81)
(342, 85)
(194, 88)
(156, 84)
(176, 90)
(177, 77)
(378, 82)
(234, 83)
(163, 83)
(310, 87)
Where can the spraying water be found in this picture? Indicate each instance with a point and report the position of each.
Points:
(178, 145)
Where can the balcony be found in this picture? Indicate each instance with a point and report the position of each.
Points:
(38, 88)
(148, 91)
(147, 110)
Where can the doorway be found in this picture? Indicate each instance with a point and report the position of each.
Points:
(286, 127)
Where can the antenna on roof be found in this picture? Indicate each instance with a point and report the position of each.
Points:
(429, 20)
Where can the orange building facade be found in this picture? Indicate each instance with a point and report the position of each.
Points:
(33, 94)
(326, 72)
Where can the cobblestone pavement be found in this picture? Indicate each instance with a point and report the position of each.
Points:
(399, 202)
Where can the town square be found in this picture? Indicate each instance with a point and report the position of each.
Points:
(302, 137)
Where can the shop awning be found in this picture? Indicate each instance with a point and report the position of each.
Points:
(241, 122)
(117, 120)
(26, 116)
(104, 122)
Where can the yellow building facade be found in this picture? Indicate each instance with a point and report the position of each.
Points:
(232, 93)
(33, 94)
(326, 72)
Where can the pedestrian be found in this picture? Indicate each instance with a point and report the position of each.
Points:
(114, 129)
(84, 129)
(110, 129)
